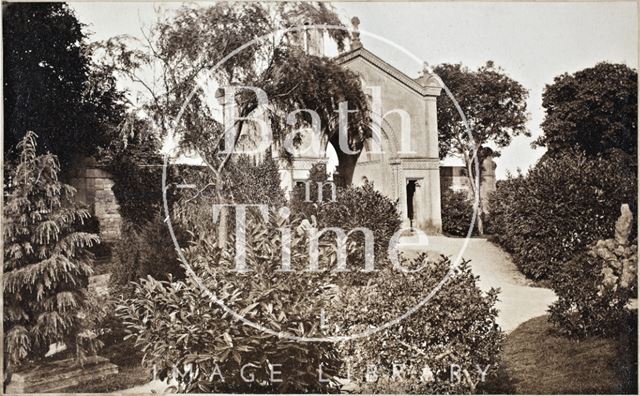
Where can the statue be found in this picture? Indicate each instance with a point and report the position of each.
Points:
(355, 34)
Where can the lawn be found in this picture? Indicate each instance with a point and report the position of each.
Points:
(538, 360)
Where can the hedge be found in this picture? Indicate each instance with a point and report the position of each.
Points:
(563, 204)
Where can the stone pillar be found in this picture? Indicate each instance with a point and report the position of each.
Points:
(434, 200)
(431, 127)
(434, 225)
(105, 206)
(488, 183)
(93, 185)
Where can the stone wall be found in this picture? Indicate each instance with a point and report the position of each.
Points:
(60, 375)
(94, 183)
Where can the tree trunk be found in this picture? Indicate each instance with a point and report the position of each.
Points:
(479, 220)
(223, 231)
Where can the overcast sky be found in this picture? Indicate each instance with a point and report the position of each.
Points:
(532, 42)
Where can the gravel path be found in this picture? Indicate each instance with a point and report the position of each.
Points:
(519, 301)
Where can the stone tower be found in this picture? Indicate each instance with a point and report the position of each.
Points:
(310, 40)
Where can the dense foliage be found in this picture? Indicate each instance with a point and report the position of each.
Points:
(138, 191)
(353, 207)
(247, 182)
(191, 339)
(457, 212)
(564, 203)
(455, 327)
(594, 288)
(46, 261)
(135, 164)
(595, 109)
(50, 84)
(146, 250)
(495, 108)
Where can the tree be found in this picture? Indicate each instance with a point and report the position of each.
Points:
(595, 109)
(50, 85)
(495, 108)
(46, 262)
(183, 48)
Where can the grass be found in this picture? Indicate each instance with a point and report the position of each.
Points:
(538, 360)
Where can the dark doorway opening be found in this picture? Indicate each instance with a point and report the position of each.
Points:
(411, 191)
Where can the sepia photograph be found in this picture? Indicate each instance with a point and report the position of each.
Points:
(292, 197)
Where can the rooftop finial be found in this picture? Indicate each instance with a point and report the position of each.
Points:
(425, 68)
(427, 78)
(355, 34)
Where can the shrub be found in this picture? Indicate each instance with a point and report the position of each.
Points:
(354, 207)
(246, 182)
(46, 261)
(138, 191)
(563, 204)
(456, 327)
(136, 167)
(146, 250)
(190, 338)
(595, 286)
(457, 213)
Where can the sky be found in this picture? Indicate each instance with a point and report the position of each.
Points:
(532, 42)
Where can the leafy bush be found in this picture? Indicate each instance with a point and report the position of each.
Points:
(138, 191)
(354, 207)
(563, 204)
(594, 288)
(194, 341)
(457, 213)
(190, 338)
(246, 182)
(455, 327)
(46, 261)
(148, 250)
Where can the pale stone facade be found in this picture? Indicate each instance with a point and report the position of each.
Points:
(455, 178)
(399, 174)
(407, 168)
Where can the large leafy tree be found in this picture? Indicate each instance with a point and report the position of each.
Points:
(495, 108)
(185, 45)
(46, 262)
(50, 85)
(177, 58)
(594, 109)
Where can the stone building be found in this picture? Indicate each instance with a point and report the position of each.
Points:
(406, 167)
(454, 177)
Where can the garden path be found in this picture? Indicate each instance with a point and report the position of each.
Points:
(520, 299)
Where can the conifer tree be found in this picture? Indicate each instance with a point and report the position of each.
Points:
(46, 262)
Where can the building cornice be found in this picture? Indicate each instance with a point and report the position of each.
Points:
(371, 58)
